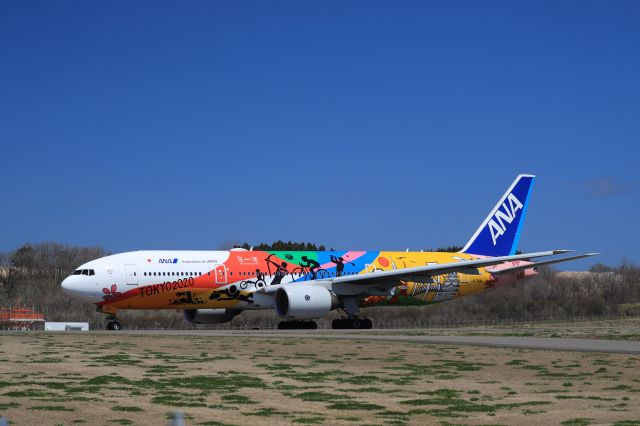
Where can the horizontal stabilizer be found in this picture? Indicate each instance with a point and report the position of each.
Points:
(542, 263)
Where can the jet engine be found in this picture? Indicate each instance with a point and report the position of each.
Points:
(300, 301)
(209, 316)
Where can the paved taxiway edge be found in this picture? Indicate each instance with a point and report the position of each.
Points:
(538, 343)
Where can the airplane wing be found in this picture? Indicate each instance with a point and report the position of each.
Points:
(382, 281)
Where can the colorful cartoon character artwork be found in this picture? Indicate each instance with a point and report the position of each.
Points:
(186, 298)
(235, 278)
(231, 293)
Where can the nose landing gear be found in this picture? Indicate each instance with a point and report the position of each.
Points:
(113, 323)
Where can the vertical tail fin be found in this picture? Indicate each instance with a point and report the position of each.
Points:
(499, 233)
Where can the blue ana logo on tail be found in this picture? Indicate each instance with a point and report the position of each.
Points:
(499, 233)
(497, 225)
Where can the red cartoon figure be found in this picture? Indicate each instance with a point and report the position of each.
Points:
(110, 294)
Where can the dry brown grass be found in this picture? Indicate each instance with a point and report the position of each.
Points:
(96, 378)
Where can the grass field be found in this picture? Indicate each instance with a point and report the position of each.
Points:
(100, 378)
(614, 329)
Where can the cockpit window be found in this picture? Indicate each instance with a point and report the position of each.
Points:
(92, 272)
(77, 272)
(85, 272)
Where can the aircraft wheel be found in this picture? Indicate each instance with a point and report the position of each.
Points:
(284, 325)
(116, 325)
(342, 324)
(109, 326)
(297, 325)
(353, 324)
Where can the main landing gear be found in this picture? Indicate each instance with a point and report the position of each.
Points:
(352, 321)
(297, 325)
(352, 324)
(113, 323)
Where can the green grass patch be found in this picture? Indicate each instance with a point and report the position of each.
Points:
(451, 402)
(277, 366)
(313, 376)
(267, 412)
(309, 420)
(126, 408)
(7, 405)
(354, 405)
(363, 379)
(52, 408)
(579, 421)
(623, 388)
(320, 397)
(177, 401)
(593, 398)
(369, 389)
(237, 399)
(29, 393)
(528, 412)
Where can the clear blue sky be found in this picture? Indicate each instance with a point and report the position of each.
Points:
(359, 124)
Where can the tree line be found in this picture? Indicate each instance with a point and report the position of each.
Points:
(30, 277)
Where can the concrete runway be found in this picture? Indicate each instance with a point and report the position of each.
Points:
(550, 344)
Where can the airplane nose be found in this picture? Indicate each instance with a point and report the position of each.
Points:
(70, 285)
(75, 286)
(66, 284)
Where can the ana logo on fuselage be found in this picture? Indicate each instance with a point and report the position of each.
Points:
(168, 260)
(497, 225)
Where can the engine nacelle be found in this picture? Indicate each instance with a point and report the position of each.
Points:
(302, 301)
(209, 316)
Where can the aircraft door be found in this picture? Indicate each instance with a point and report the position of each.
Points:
(221, 274)
(131, 274)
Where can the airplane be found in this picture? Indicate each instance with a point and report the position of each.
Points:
(301, 286)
